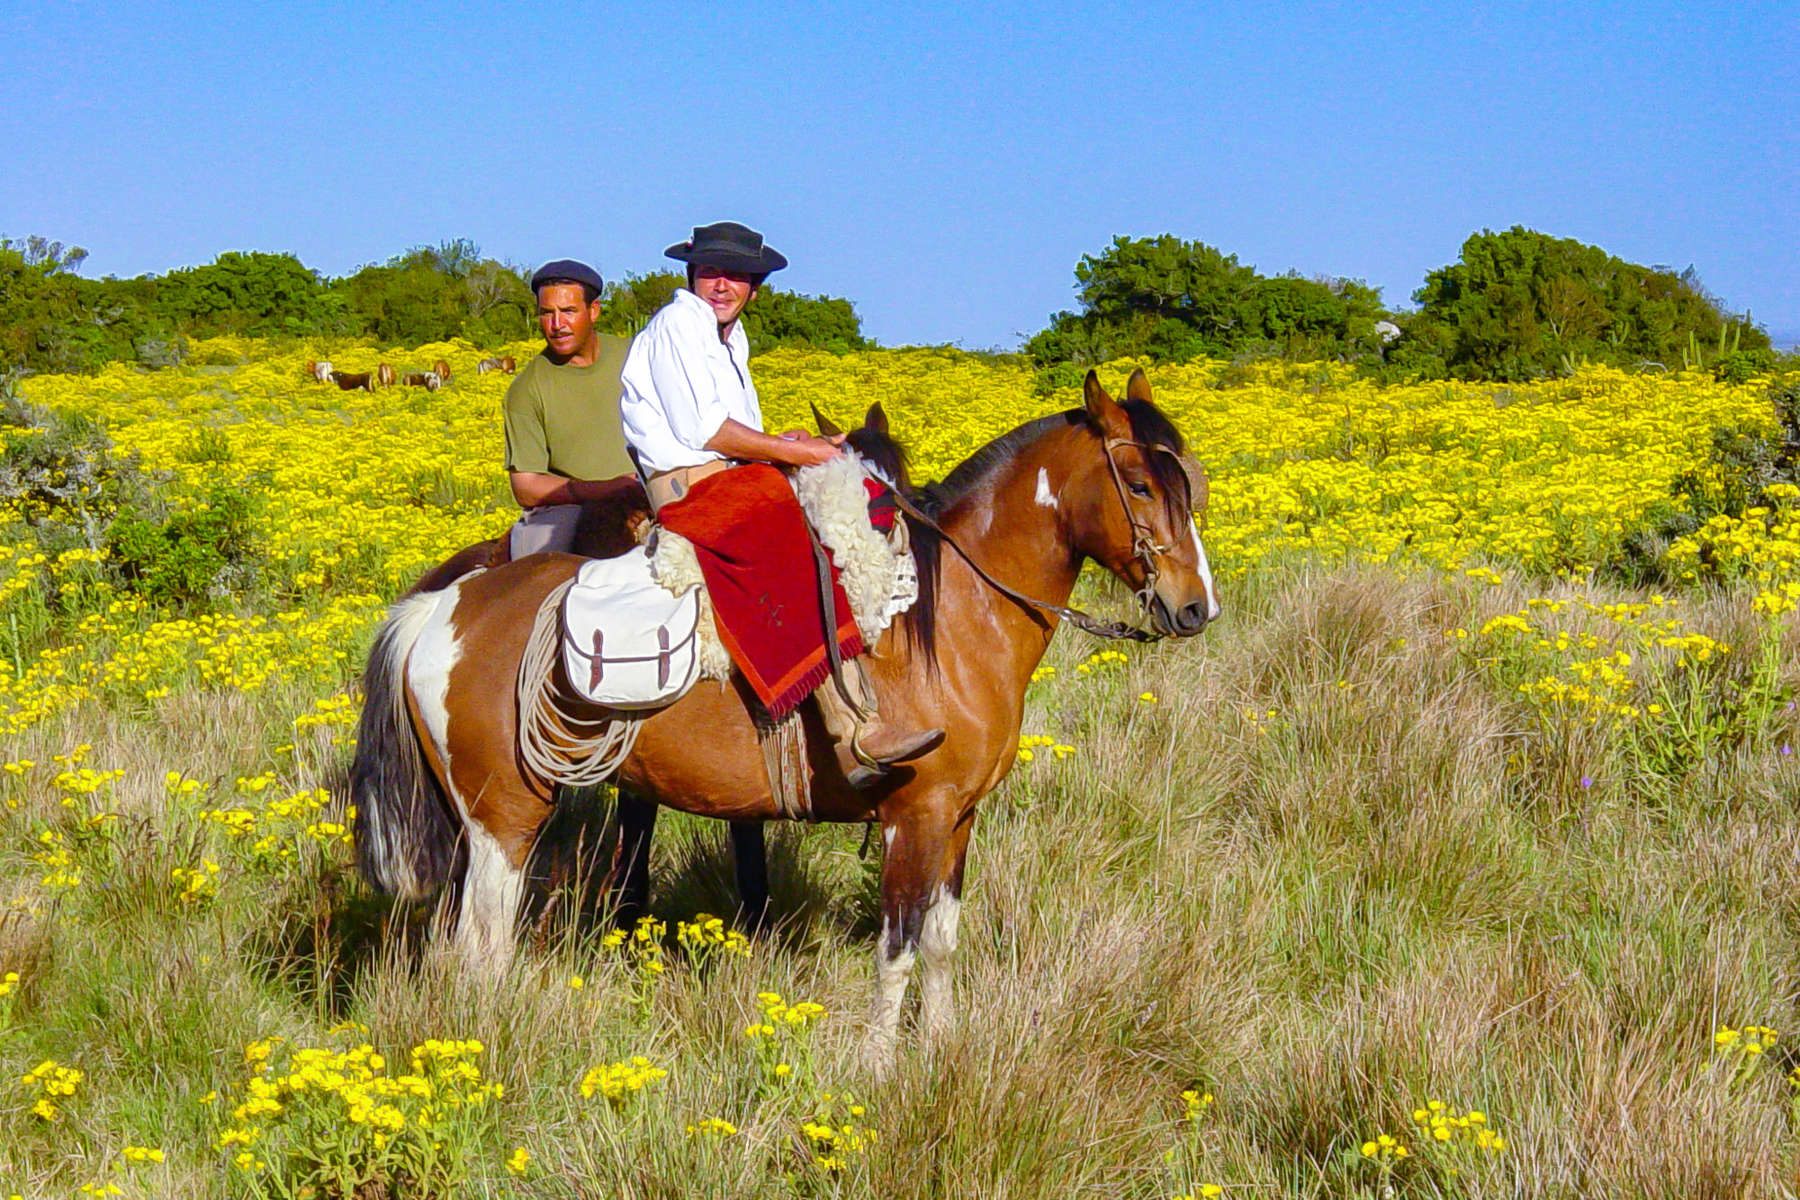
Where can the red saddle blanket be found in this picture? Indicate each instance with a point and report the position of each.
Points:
(750, 535)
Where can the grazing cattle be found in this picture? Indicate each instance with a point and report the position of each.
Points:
(364, 382)
(428, 380)
(384, 375)
(441, 369)
(504, 364)
(320, 371)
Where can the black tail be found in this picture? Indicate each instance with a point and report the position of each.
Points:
(407, 840)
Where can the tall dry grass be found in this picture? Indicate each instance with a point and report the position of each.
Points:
(1337, 867)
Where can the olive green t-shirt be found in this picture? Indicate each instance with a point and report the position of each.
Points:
(563, 420)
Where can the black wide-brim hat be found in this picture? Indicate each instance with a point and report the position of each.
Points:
(730, 247)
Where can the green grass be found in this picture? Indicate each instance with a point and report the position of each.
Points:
(1394, 890)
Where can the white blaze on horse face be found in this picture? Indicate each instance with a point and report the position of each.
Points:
(1205, 569)
(1045, 496)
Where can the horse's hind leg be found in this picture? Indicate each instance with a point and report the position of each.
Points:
(493, 887)
(629, 880)
(750, 859)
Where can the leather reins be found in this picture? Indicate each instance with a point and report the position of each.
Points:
(1144, 549)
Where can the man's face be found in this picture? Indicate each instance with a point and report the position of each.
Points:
(566, 319)
(726, 291)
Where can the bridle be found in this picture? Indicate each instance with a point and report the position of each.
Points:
(1144, 546)
(1144, 549)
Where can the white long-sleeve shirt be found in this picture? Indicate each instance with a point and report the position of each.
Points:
(681, 383)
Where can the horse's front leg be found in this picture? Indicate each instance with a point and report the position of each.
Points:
(937, 937)
(917, 837)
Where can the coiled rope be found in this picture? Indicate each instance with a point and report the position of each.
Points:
(554, 744)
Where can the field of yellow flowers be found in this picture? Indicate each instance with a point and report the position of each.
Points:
(1447, 864)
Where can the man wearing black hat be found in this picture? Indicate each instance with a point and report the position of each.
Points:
(563, 441)
(690, 411)
(689, 407)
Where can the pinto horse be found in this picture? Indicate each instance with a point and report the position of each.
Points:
(443, 797)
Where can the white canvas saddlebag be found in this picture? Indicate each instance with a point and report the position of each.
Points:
(627, 642)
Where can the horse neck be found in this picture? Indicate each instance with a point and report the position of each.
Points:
(1016, 528)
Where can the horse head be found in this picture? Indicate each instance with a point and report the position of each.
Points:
(1145, 491)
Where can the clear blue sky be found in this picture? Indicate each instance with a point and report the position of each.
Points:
(943, 165)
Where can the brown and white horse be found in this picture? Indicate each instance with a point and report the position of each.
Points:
(438, 785)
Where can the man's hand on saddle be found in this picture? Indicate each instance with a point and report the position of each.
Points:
(812, 447)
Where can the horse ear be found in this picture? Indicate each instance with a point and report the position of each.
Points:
(1139, 387)
(1105, 412)
(827, 427)
(876, 419)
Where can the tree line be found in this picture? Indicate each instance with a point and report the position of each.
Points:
(52, 318)
(1516, 305)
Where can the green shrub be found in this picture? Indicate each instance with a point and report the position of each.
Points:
(1741, 366)
(190, 560)
(62, 476)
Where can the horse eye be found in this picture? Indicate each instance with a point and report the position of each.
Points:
(1138, 489)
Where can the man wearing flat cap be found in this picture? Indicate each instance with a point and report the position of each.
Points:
(563, 441)
(690, 412)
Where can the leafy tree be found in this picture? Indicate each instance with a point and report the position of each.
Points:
(1522, 304)
(778, 318)
(628, 304)
(1169, 299)
(51, 319)
(498, 299)
(774, 318)
(406, 301)
(249, 293)
(434, 293)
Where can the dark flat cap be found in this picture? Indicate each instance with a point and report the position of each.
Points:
(730, 247)
(567, 270)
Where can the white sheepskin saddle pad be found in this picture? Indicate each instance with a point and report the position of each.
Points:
(875, 569)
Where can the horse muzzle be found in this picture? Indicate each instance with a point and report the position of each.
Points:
(1184, 620)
